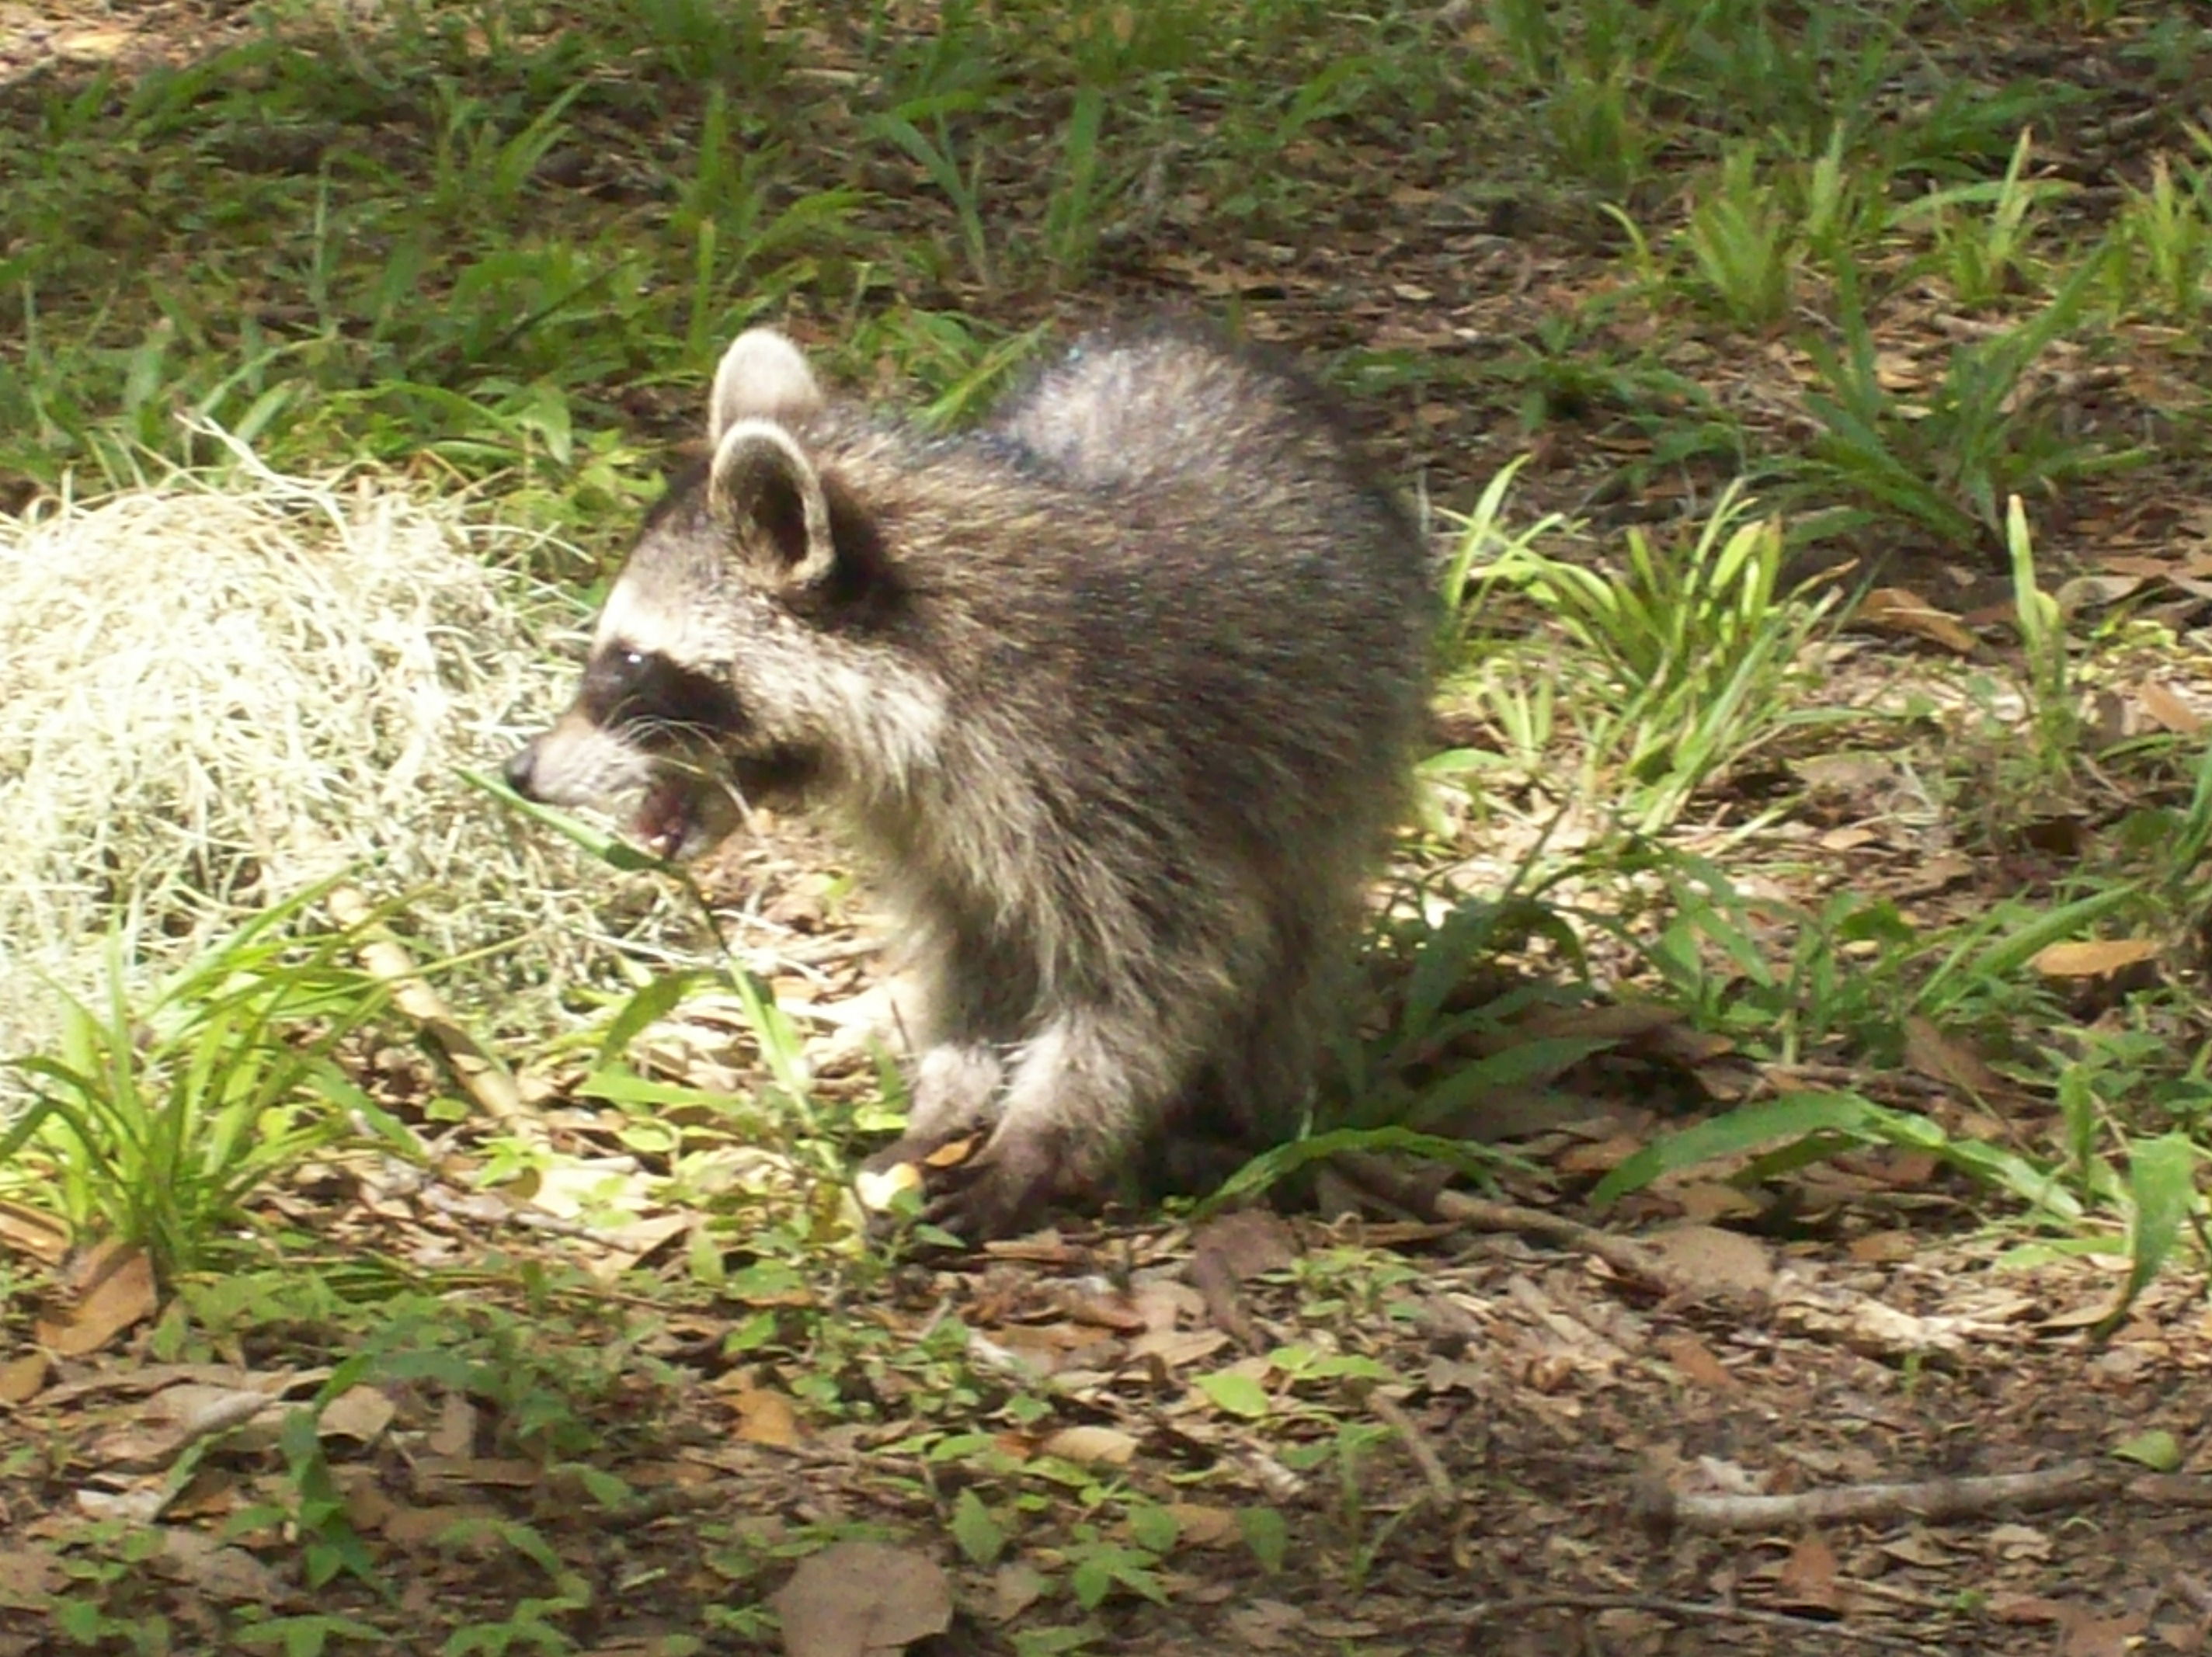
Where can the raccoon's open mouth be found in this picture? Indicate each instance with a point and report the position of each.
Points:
(668, 823)
(684, 813)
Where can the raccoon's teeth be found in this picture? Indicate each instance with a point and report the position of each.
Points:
(663, 820)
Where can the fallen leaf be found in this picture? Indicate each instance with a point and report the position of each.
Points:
(2086, 1634)
(1707, 1257)
(1204, 1527)
(1101, 1446)
(2095, 957)
(855, 1599)
(1940, 1058)
(359, 1415)
(2168, 710)
(1695, 1362)
(767, 1418)
(20, 1378)
(41, 1237)
(1246, 1243)
(28, 1578)
(1808, 1578)
(121, 1293)
(229, 1574)
(1900, 610)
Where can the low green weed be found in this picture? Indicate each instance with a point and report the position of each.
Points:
(2166, 231)
(1948, 464)
(1983, 257)
(1683, 657)
(156, 1121)
(1744, 241)
(938, 153)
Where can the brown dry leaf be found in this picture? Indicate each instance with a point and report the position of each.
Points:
(1883, 1248)
(1712, 1199)
(1599, 1156)
(1246, 1243)
(1707, 1257)
(1265, 1624)
(1899, 371)
(455, 1430)
(20, 1378)
(227, 1574)
(1696, 1362)
(855, 1598)
(1204, 1527)
(29, 1576)
(95, 45)
(2094, 592)
(2085, 1635)
(2166, 710)
(1178, 1348)
(27, 1231)
(1808, 1579)
(1901, 610)
(1014, 1588)
(176, 1419)
(1098, 1308)
(1107, 1447)
(437, 1472)
(359, 1414)
(121, 1293)
(2095, 957)
(765, 1417)
(1940, 1058)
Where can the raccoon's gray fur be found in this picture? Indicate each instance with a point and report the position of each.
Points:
(1117, 695)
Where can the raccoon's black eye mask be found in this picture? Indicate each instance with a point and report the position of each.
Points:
(643, 693)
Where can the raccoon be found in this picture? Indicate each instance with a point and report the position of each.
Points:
(1117, 696)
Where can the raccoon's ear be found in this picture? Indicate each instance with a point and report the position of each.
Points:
(762, 377)
(767, 493)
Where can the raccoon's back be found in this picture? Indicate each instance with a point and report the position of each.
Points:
(1171, 402)
(1165, 576)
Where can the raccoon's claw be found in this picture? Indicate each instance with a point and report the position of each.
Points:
(977, 1190)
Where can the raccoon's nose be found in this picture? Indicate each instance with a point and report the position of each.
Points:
(517, 769)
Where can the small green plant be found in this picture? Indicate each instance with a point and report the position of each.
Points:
(2166, 232)
(1682, 659)
(1947, 465)
(1079, 197)
(2054, 702)
(937, 152)
(156, 1122)
(1744, 241)
(1984, 256)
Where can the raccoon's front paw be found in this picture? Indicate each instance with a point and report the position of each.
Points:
(976, 1187)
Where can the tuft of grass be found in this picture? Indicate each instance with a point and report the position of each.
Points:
(155, 1120)
(1684, 658)
(1948, 465)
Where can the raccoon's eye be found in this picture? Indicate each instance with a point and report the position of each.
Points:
(634, 660)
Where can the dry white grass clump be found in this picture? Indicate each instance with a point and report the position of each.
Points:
(215, 692)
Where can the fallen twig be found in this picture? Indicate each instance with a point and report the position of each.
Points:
(386, 959)
(1498, 1610)
(1932, 1499)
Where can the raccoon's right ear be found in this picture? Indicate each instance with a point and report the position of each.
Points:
(766, 493)
(762, 377)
